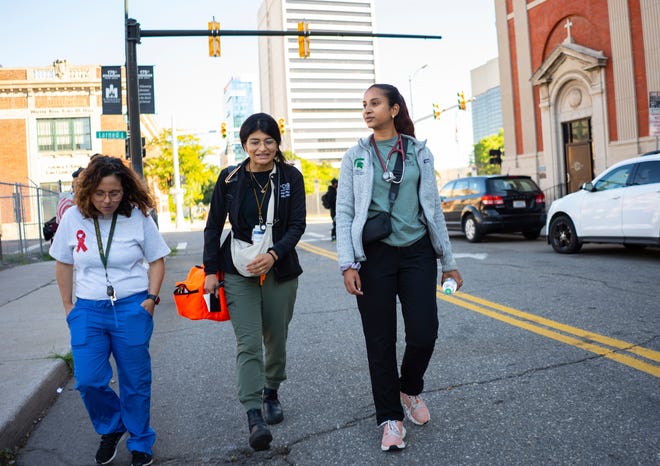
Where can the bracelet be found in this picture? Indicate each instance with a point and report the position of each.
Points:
(272, 255)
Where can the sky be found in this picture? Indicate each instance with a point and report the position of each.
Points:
(189, 83)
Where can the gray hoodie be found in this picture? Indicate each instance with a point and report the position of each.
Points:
(354, 196)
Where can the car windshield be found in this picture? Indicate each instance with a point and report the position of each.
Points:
(521, 185)
(617, 178)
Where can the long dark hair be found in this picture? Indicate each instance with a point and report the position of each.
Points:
(402, 121)
(262, 122)
(135, 190)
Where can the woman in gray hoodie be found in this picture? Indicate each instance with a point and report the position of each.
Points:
(390, 175)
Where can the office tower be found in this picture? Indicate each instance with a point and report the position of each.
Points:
(319, 97)
(238, 105)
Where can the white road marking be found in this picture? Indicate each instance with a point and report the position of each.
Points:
(182, 245)
(478, 256)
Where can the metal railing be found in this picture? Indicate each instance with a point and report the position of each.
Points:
(23, 211)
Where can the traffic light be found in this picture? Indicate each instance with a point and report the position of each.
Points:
(303, 40)
(281, 123)
(214, 40)
(144, 147)
(461, 100)
(127, 145)
(495, 157)
(436, 111)
(223, 130)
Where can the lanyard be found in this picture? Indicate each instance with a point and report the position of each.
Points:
(104, 256)
(396, 148)
(260, 204)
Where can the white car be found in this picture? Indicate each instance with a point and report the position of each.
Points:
(621, 205)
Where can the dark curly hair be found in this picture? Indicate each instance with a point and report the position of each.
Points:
(136, 193)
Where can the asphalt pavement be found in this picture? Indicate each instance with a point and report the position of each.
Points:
(497, 394)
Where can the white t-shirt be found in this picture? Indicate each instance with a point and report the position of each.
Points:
(136, 242)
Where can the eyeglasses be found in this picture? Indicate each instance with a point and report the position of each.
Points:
(113, 195)
(256, 143)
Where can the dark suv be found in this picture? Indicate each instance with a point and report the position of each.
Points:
(478, 205)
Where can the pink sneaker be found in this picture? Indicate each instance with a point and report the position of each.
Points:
(393, 434)
(415, 409)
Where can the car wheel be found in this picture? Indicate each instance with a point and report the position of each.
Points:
(471, 229)
(563, 237)
(532, 234)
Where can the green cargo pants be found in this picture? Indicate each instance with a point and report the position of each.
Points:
(259, 313)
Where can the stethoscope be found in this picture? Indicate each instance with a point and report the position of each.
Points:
(388, 176)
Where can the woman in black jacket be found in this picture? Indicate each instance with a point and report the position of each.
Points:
(264, 198)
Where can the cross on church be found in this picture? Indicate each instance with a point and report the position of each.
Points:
(567, 26)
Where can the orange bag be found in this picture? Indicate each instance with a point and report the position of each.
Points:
(192, 303)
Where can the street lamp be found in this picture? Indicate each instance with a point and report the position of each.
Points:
(410, 89)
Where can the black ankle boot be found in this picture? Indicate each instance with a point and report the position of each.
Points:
(272, 409)
(260, 436)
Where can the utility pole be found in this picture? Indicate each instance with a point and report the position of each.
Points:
(177, 191)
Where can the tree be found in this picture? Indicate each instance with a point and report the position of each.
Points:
(313, 171)
(482, 155)
(196, 176)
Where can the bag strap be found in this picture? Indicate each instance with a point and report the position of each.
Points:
(398, 169)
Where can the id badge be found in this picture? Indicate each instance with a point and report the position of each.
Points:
(258, 233)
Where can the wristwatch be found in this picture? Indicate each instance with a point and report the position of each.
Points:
(154, 297)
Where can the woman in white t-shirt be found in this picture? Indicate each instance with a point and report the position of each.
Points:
(118, 255)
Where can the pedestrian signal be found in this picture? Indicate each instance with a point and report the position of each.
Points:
(495, 157)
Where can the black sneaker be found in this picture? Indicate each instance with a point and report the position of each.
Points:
(108, 447)
(141, 459)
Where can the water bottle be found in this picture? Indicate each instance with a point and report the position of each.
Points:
(449, 286)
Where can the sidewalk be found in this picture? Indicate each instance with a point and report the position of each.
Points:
(32, 330)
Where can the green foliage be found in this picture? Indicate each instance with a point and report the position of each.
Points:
(313, 171)
(196, 176)
(67, 358)
(482, 156)
(8, 456)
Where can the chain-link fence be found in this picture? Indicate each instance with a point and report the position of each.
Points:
(23, 211)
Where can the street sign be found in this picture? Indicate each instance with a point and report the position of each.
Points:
(111, 134)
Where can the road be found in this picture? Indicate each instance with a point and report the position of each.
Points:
(542, 359)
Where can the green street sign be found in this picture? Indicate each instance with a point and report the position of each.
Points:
(111, 134)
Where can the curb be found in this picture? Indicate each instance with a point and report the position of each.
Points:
(41, 395)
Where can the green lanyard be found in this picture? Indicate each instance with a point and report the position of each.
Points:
(104, 256)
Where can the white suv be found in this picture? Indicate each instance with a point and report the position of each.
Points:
(621, 205)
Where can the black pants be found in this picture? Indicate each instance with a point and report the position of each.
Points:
(411, 273)
(333, 232)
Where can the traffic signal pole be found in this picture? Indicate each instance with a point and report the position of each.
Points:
(134, 34)
(133, 105)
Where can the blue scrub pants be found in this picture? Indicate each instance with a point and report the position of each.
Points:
(99, 329)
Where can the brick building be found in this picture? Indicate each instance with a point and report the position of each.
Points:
(576, 79)
(49, 117)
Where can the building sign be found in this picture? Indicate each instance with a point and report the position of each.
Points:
(654, 113)
(146, 89)
(111, 90)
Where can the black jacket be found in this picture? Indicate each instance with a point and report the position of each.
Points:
(332, 199)
(288, 223)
